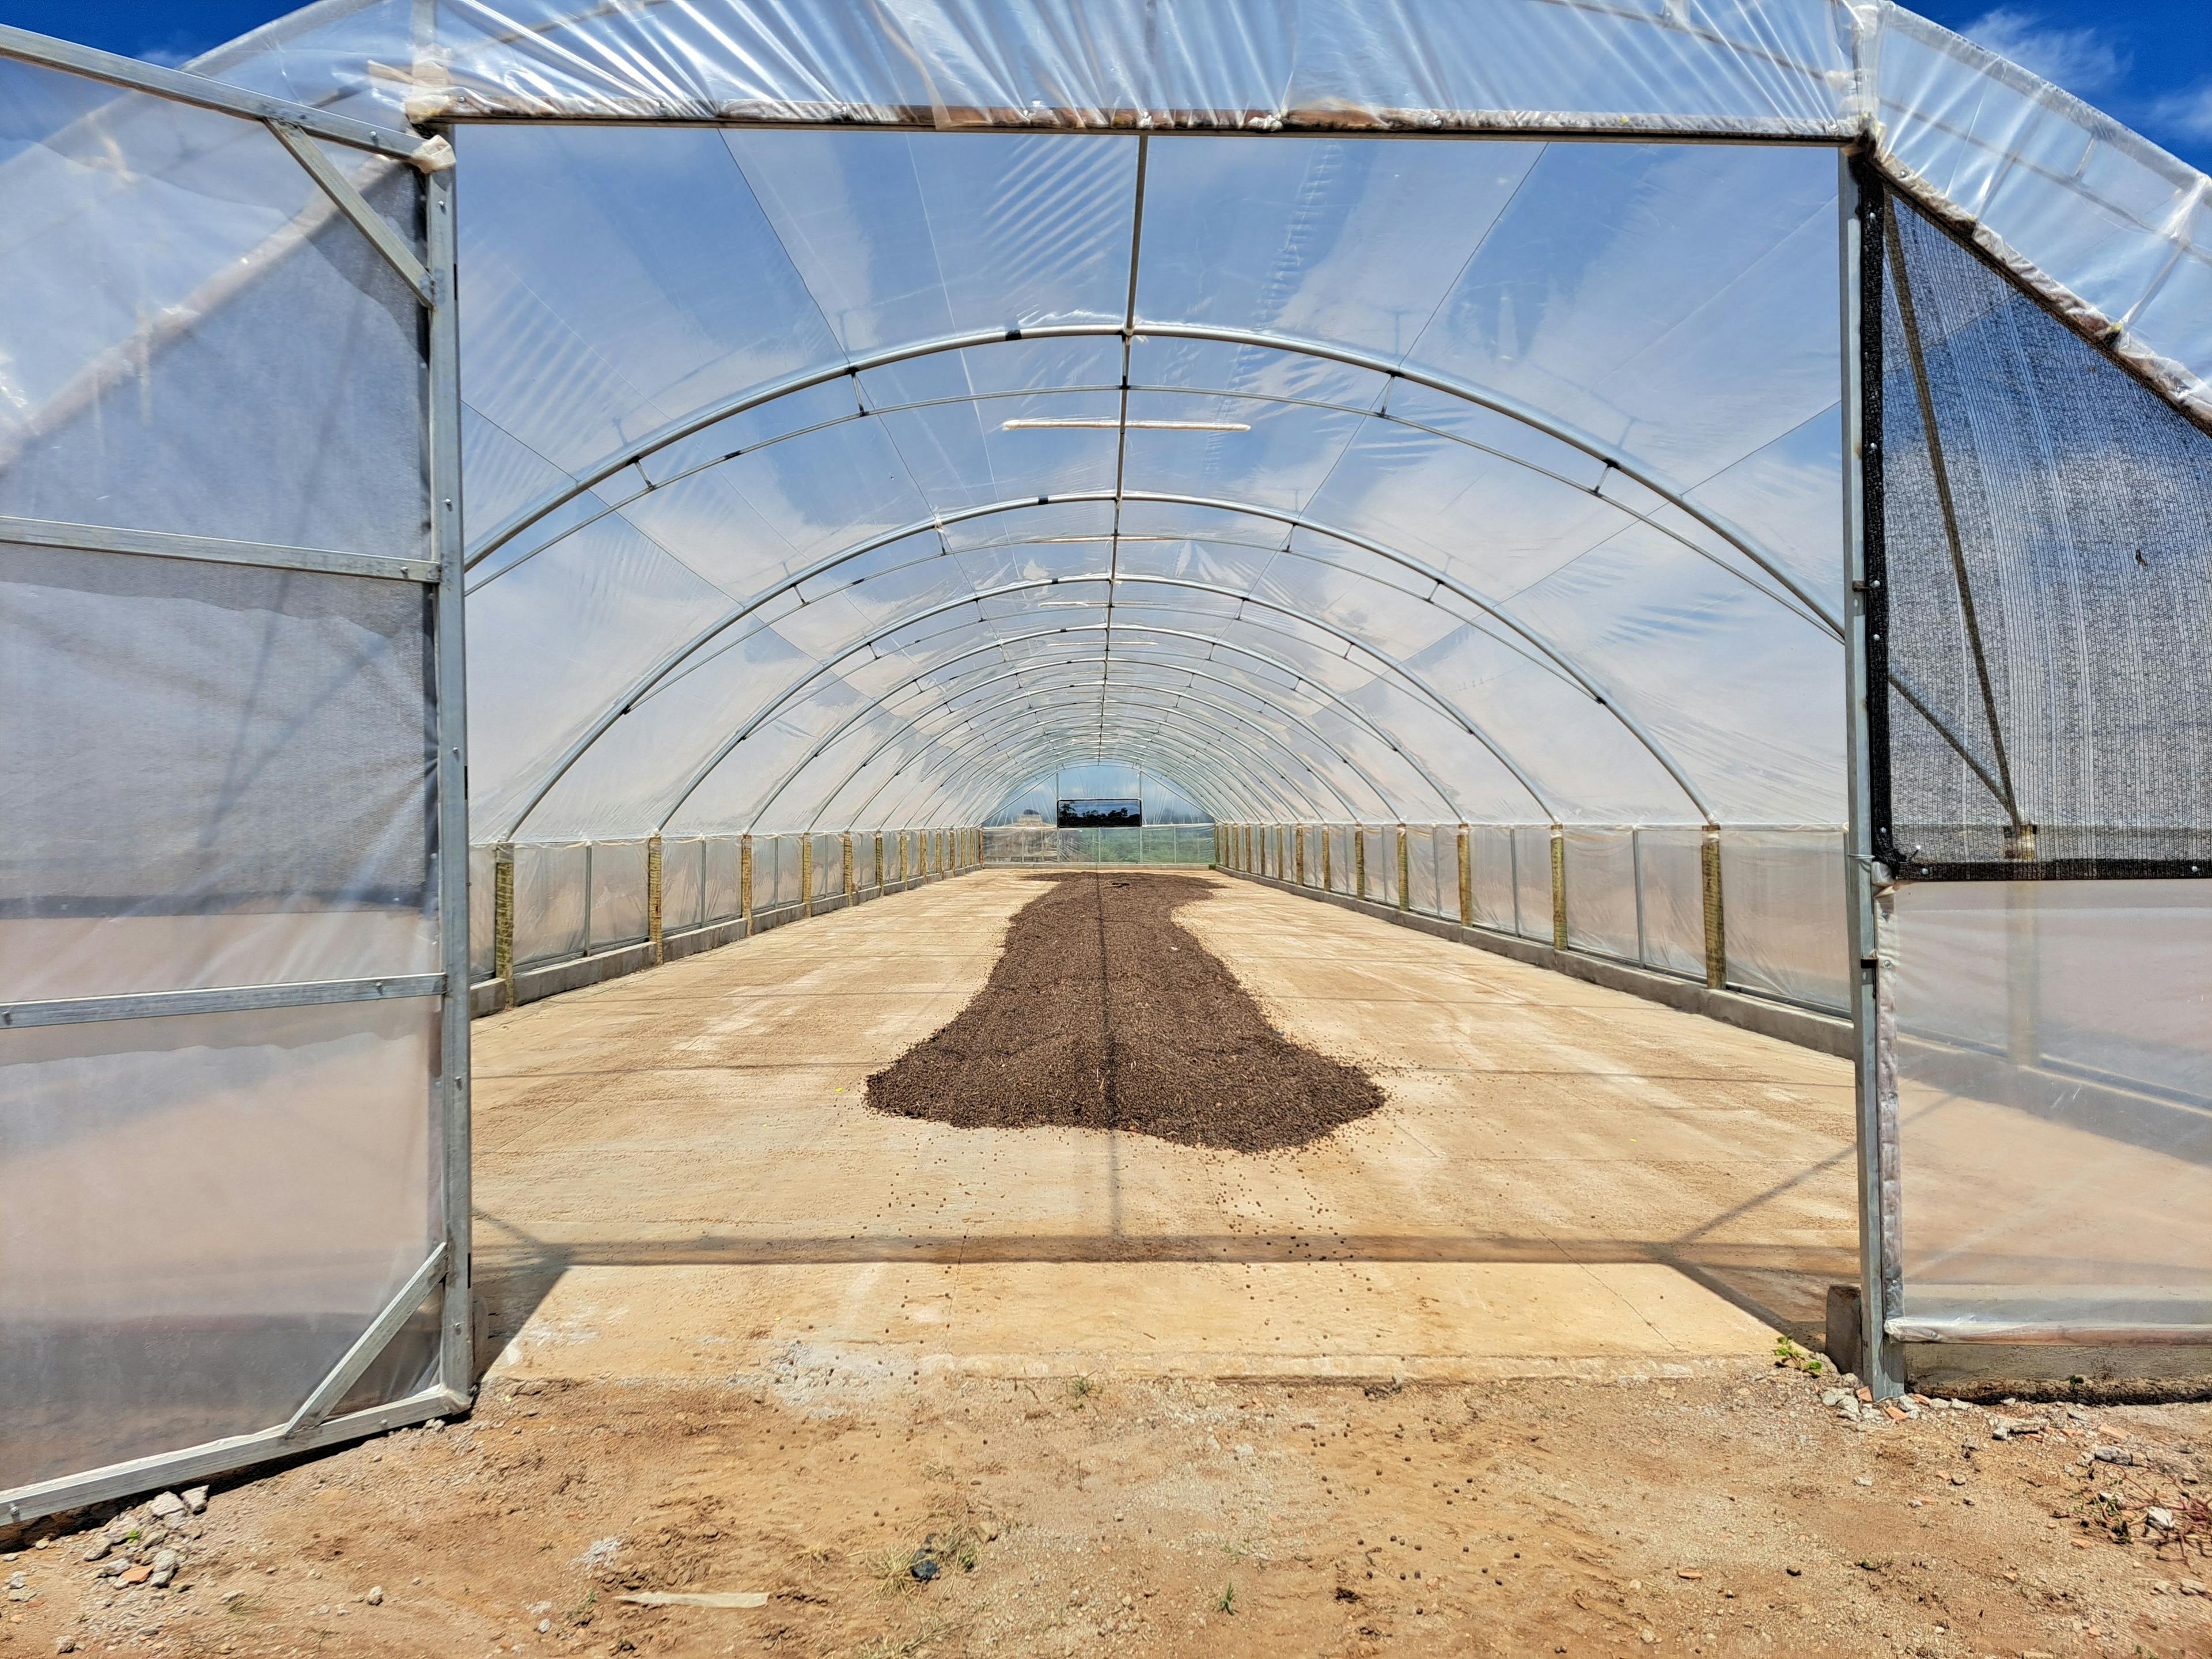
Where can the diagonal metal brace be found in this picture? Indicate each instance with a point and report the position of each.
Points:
(350, 202)
(371, 1343)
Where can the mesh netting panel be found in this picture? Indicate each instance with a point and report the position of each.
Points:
(2049, 582)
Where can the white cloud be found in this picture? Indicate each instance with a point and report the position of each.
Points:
(2188, 114)
(2079, 60)
(173, 53)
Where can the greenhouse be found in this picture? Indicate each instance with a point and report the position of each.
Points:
(1708, 498)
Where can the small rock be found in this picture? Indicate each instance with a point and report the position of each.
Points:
(16, 1580)
(136, 1575)
(195, 1500)
(2192, 1587)
(375, 1596)
(2161, 1519)
(1832, 1397)
(65, 1645)
(1861, 1480)
(544, 1626)
(165, 1504)
(2119, 1455)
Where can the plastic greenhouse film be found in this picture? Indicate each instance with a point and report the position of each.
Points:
(1782, 891)
(156, 395)
(238, 830)
(618, 896)
(1532, 881)
(1953, 120)
(725, 872)
(1490, 850)
(550, 895)
(2053, 1056)
(683, 885)
(1601, 901)
(482, 904)
(1670, 867)
(301, 1136)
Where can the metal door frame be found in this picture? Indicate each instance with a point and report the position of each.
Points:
(300, 130)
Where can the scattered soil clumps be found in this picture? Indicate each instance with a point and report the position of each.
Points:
(1103, 1013)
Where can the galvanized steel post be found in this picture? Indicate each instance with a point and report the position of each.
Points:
(457, 1336)
(1881, 1288)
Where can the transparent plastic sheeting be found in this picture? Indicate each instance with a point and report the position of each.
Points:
(220, 776)
(1782, 893)
(2054, 1076)
(2113, 227)
(238, 829)
(1175, 843)
(1158, 800)
(575, 897)
(260, 1183)
(1636, 894)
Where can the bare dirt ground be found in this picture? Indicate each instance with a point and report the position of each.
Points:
(1726, 1512)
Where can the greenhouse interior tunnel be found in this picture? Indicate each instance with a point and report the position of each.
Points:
(1426, 687)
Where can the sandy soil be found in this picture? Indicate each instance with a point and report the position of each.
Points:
(1723, 1513)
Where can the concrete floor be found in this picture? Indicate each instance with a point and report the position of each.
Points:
(676, 1174)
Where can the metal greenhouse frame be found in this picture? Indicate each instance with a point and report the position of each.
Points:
(1326, 747)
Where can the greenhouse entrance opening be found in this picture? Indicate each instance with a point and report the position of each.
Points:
(1655, 671)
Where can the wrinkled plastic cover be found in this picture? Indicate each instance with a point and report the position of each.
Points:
(2115, 229)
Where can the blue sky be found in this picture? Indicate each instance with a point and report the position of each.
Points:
(2148, 62)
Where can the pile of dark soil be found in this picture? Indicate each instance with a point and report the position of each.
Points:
(1103, 1014)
